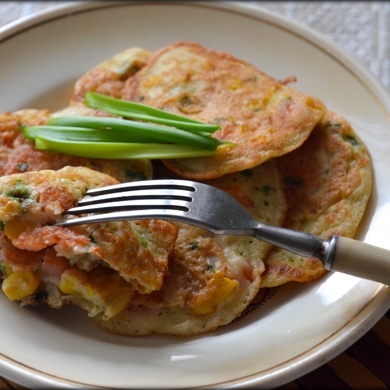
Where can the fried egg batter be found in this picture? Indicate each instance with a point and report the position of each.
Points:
(328, 183)
(293, 164)
(212, 278)
(263, 117)
(98, 266)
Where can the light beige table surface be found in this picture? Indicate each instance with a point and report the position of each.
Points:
(362, 29)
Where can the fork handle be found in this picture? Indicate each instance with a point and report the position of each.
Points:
(360, 259)
(336, 253)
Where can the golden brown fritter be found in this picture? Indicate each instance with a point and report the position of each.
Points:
(262, 116)
(61, 259)
(212, 278)
(119, 272)
(328, 183)
(108, 78)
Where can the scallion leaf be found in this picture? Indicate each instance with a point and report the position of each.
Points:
(69, 133)
(119, 150)
(128, 109)
(156, 131)
(155, 134)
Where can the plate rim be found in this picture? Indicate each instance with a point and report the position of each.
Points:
(381, 299)
(351, 63)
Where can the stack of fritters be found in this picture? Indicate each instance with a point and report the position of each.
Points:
(97, 266)
(294, 164)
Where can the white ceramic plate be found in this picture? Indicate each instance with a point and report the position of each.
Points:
(292, 330)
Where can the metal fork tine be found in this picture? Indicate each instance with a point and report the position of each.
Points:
(144, 185)
(217, 211)
(166, 214)
(137, 194)
(128, 205)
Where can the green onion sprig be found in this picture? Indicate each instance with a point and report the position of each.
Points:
(132, 110)
(81, 134)
(119, 150)
(154, 134)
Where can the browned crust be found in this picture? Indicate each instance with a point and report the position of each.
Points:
(263, 117)
(328, 183)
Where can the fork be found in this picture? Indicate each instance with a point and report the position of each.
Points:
(213, 209)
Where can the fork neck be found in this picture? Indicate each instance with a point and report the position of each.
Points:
(300, 243)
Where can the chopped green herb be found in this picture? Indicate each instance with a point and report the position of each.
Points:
(135, 174)
(265, 189)
(186, 101)
(209, 267)
(39, 296)
(251, 79)
(332, 124)
(193, 246)
(22, 167)
(143, 241)
(18, 191)
(352, 140)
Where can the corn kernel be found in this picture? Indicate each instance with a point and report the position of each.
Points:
(88, 291)
(310, 102)
(69, 285)
(9, 209)
(72, 285)
(15, 227)
(20, 284)
(253, 105)
(206, 306)
(226, 287)
(152, 81)
(234, 84)
(220, 288)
